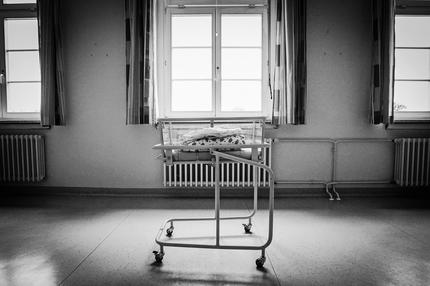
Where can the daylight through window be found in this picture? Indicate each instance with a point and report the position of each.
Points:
(20, 67)
(215, 62)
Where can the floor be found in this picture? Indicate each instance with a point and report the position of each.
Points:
(109, 241)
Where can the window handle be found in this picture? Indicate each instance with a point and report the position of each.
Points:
(217, 74)
(2, 77)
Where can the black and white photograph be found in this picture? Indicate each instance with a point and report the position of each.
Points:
(215, 142)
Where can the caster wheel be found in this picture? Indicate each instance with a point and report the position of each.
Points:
(260, 261)
(158, 256)
(247, 227)
(169, 231)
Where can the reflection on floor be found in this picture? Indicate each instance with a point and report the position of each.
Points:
(109, 241)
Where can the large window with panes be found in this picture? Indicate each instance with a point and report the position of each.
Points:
(19, 61)
(411, 93)
(215, 60)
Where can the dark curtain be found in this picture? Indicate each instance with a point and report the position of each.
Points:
(382, 60)
(140, 61)
(52, 109)
(289, 84)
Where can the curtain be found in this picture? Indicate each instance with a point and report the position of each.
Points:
(52, 111)
(140, 69)
(289, 79)
(382, 60)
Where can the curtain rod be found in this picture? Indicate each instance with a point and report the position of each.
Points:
(182, 6)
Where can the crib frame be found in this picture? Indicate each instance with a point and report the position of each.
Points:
(218, 152)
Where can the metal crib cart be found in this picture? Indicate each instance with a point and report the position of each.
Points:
(179, 142)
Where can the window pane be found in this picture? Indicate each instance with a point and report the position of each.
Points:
(241, 30)
(21, 34)
(191, 63)
(241, 95)
(412, 64)
(241, 63)
(19, 1)
(192, 95)
(192, 30)
(23, 97)
(23, 66)
(412, 31)
(412, 96)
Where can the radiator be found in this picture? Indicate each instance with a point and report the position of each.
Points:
(412, 161)
(201, 174)
(22, 158)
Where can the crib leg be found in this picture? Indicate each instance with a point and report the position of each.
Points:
(260, 261)
(217, 200)
(255, 182)
(247, 227)
(159, 254)
(169, 231)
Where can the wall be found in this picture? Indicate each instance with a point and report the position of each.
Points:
(339, 56)
(97, 149)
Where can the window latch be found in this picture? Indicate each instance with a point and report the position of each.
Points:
(2, 77)
(217, 75)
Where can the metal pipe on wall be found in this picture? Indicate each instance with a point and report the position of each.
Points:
(334, 153)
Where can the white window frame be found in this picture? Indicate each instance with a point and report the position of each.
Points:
(408, 116)
(164, 47)
(12, 11)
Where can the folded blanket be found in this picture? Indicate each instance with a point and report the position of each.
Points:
(211, 141)
(212, 132)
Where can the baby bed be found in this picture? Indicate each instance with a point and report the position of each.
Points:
(209, 141)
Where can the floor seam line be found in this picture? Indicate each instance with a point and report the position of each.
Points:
(273, 268)
(95, 248)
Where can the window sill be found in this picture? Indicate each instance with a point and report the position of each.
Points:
(206, 118)
(21, 124)
(409, 125)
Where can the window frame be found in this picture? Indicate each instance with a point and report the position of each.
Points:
(412, 117)
(164, 83)
(13, 11)
(166, 108)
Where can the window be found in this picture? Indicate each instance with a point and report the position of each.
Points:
(19, 61)
(215, 61)
(411, 100)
